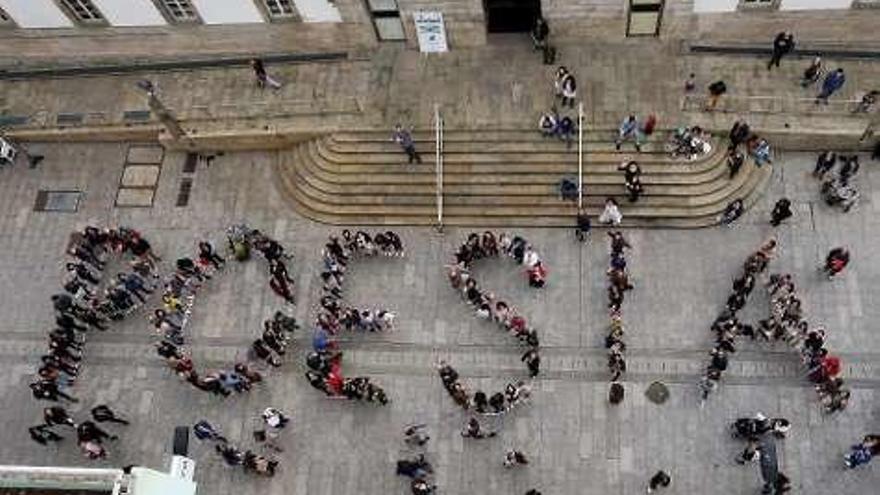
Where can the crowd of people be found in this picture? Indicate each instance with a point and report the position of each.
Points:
(89, 303)
(273, 421)
(618, 285)
(90, 438)
(324, 362)
(757, 432)
(787, 323)
(727, 326)
(514, 395)
(689, 142)
(836, 187)
(486, 305)
(178, 297)
(756, 147)
(416, 466)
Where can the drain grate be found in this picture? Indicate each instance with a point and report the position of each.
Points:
(185, 190)
(63, 201)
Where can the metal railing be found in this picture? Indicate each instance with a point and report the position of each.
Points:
(438, 157)
(580, 156)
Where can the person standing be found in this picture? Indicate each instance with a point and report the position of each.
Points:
(716, 90)
(262, 76)
(824, 163)
(781, 211)
(660, 479)
(540, 33)
(404, 138)
(569, 89)
(782, 45)
(533, 361)
(690, 84)
(832, 83)
(738, 133)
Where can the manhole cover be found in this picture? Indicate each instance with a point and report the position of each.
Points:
(57, 201)
(657, 393)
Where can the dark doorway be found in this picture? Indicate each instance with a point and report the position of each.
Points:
(511, 16)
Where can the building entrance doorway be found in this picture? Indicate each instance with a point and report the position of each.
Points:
(511, 16)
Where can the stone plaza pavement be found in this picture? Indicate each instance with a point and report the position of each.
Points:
(577, 442)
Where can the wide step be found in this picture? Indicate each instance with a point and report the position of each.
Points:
(503, 178)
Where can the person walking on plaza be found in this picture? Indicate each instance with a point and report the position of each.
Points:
(781, 211)
(832, 83)
(262, 76)
(812, 73)
(660, 479)
(782, 45)
(404, 138)
(716, 90)
(628, 130)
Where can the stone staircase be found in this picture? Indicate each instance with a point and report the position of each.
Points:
(503, 178)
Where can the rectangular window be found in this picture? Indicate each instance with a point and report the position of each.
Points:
(386, 20)
(83, 10)
(279, 8)
(180, 10)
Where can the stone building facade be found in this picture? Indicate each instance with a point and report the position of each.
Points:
(106, 28)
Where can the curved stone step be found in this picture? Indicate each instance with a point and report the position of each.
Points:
(341, 200)
(354, 194)
(600, 173)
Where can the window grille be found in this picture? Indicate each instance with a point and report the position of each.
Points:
(180, 10)
(83, 10)
(279, 8)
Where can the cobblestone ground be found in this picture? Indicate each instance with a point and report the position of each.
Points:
(578, 443)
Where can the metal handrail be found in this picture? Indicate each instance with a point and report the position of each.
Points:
(580, 156)
(438, 163)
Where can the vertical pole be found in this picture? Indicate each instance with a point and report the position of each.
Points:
(438, 163)
(580, 156)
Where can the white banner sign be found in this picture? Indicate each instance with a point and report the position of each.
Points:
(430, 31)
